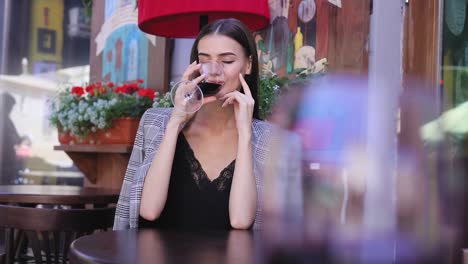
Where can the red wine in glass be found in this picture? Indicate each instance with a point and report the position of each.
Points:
(209, 89)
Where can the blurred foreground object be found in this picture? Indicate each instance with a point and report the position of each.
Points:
(332, 116)
(453, 122)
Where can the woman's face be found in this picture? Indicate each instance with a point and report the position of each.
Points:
(230, 54)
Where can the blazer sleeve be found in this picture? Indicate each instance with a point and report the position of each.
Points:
(122, 213)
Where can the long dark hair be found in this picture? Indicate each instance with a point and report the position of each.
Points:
(239, 32)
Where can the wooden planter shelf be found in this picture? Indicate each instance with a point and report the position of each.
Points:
(103, 165)
(96, 148)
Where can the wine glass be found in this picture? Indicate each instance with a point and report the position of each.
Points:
(214, 73)
(187, 96)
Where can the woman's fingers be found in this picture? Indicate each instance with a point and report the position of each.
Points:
(209, 99)
(245, 85)
(237, 96)
(228, 101)
(191, 70)
(199, 78)
(233, 94)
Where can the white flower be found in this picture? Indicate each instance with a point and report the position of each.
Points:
(113, 101)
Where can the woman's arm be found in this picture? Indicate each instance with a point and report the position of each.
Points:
(156, 184)
(243, 196)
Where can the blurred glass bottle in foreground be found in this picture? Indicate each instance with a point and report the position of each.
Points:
(331, 115)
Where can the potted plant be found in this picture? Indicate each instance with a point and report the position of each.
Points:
(100, 113)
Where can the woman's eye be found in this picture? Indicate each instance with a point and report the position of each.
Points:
(228, 62)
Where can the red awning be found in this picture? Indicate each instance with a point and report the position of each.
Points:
(182, 18)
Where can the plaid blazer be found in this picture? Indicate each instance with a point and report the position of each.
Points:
(148, 138)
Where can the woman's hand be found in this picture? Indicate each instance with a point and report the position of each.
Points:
(179, 117)
(243, 108)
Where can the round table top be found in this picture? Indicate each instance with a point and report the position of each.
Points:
(56, 194)
(153, 246)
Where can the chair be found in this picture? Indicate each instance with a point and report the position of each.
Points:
(49, 232)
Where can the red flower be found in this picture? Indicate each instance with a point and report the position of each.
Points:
(95, 89)
(133, 87)
(121, 89)
(79, 91)
(90, 88)
(128, 88)
(110, 84)
(102, 90)
(140, 81)
(146, 93)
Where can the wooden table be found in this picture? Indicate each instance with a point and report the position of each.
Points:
(236, 246)
(153, 246)
(56, 194)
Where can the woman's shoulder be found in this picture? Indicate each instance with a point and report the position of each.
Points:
(157, 112)
(264, 131)
(156, 116)
(260, 127)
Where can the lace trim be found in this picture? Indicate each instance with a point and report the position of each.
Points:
(199, 175)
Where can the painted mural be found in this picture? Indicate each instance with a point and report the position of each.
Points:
(123, 46)
(125, 55)
(288, 45)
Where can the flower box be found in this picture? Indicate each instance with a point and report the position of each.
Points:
(65, 138)
(101, 113)
(122, 132)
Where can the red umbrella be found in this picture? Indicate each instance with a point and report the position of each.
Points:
(184, 18)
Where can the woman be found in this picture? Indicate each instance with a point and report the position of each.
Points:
(202, 170)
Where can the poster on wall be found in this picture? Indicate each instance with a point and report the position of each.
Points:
(46, 35)
(288, 46)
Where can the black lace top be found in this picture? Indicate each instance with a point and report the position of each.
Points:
(193, 200)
